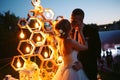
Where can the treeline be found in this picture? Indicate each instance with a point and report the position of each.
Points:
(8, 34)
(108, 27)
(8, 42)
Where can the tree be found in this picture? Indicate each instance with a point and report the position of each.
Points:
(8, 34)
(8, 20)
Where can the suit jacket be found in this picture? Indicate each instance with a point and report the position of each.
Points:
(89, 57)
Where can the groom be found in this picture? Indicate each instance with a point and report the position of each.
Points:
(88, 57)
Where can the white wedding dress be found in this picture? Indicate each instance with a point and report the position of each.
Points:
(66, 72)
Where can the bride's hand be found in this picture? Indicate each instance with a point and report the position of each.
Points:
(77, 66)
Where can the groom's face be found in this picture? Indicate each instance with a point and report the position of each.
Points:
(76, 21)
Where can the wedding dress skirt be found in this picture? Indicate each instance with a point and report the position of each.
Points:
(66, 72)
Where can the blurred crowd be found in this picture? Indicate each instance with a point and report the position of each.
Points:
(109, 63)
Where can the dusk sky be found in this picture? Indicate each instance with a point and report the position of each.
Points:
(96, 11)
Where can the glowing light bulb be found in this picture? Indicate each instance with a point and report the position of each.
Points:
(60, 59)
(38, 38)
(49, 14)
(36, 25)
(27, 49)
(22, 35)
(18, 63)
(45, 54)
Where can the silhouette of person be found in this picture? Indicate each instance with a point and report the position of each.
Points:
(87, 57)
(71, 69)
(109, 59)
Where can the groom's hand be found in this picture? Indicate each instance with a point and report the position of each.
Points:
(77, 66)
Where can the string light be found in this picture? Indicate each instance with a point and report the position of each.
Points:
(18, 63)
(38, 38)
(36, 25)
(27, 49)
(48, 14)
(45, 54)
(22, 35)
(60, 60)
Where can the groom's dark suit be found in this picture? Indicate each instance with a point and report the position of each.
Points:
(89, 57)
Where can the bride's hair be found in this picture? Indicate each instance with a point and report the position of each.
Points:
(63, 27)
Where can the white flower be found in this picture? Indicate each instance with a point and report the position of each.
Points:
(61, 32)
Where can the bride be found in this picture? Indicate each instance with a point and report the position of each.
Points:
(71, 69)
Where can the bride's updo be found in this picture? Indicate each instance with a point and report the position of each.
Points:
(63, 28)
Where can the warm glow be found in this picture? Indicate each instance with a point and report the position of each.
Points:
(60, 59)
(38, 38)
(36, 25)
(45, 54)
(41, 42)
(18, 63)
(22, 35)
(49, 14)
(27, 49)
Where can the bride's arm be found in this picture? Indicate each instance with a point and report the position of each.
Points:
(81, 38)
(75, 45)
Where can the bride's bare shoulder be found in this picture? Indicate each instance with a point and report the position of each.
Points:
(70, 42)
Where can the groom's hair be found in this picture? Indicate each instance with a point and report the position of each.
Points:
(78, 11)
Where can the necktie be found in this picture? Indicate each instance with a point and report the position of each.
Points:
(78, 37)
